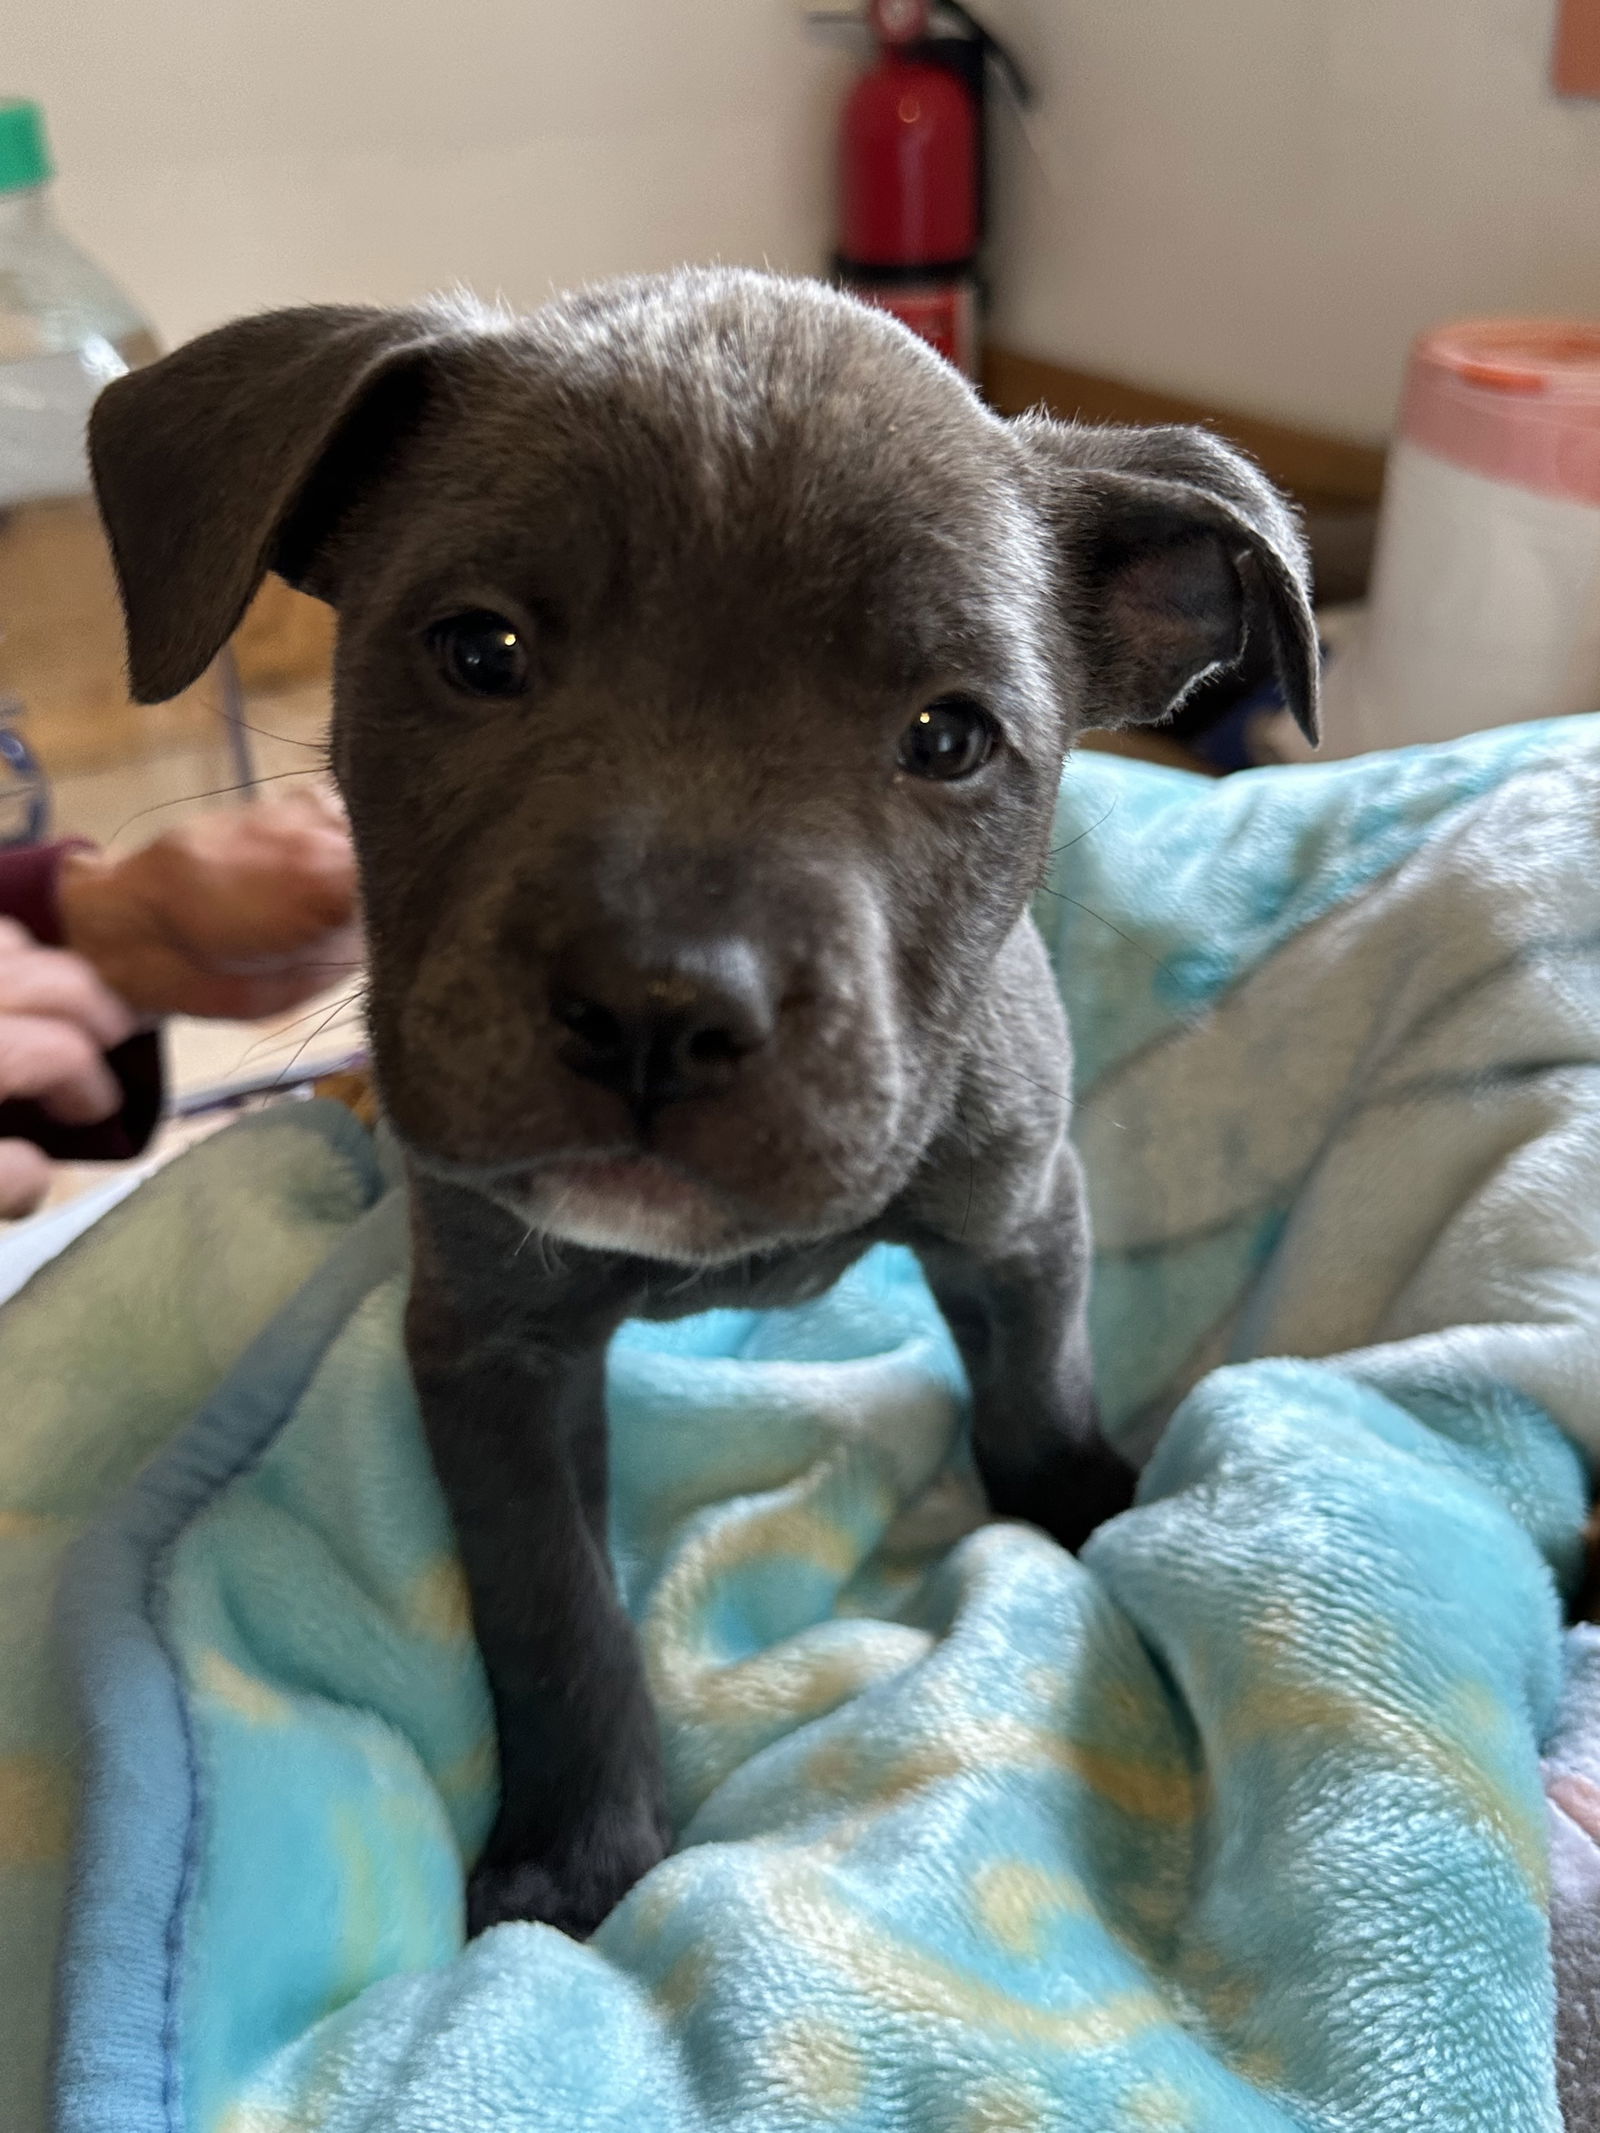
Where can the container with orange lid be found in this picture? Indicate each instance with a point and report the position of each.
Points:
(1485, 603)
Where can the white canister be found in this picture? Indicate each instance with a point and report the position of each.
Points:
(1485, 605)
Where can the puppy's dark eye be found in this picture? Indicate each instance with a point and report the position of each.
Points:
(481, 653)
(952, 738)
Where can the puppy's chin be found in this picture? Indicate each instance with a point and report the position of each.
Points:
(634, 1204)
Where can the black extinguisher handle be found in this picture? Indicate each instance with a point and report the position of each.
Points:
(998, 55)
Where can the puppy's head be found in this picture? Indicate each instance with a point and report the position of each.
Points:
(707, 656)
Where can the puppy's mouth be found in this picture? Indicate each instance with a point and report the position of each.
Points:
(639, 1203)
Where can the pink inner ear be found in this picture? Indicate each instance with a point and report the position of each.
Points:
(1189, 580)
(1172, 614)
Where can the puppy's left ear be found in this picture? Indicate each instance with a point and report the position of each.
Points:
(1170, 547)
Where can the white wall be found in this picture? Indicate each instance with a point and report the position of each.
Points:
(1255, 201)
(1261, 201)
(221, 155)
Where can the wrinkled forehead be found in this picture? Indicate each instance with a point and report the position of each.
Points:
(860, 511)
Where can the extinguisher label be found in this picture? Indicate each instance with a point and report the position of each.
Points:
(943, 313)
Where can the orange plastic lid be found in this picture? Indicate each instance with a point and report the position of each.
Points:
(1517, 399)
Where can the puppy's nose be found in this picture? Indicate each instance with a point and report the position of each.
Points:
(660, 1023)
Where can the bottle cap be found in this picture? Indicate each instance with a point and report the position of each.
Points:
(24, 152)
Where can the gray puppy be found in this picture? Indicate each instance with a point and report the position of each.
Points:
(707, 657)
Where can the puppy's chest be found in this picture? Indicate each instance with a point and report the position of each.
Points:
(765, 1281)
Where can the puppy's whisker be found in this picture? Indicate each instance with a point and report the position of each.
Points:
(547, 1245)
(1057, 849)
(217, 792)
(1156, 962)
(301, 1049)
(286, 740)
(966, 1135)
(282, 1030)
(355, 962)
(1062, 1096)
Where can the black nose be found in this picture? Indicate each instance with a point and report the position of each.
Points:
(657, 1022)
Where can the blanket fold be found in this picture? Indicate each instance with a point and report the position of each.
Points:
(1238, 1824)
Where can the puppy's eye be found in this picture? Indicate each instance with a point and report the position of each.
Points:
(480, 653)
(952, 738)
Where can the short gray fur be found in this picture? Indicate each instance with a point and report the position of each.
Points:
(746, 528)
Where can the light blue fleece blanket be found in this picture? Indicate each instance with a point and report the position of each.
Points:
(1235, 1826)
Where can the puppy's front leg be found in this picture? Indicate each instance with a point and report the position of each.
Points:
(998, 1218)
(509, 1372)
(1015, 1303)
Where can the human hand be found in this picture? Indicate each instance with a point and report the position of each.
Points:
(241, 913)
(57, 1019)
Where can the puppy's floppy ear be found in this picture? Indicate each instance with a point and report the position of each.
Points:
(235, 456)
(1170, 545)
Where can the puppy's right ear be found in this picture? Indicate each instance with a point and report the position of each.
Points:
(237, 455)
(1170, 547)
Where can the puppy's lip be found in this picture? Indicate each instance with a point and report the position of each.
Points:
(637, 1173)
(644, 1179)
(633, 1202)
(625, 1198)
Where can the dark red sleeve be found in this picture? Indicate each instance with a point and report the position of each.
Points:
(28, 880)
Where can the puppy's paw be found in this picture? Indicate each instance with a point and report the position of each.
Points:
(1069, 1495)
(573, 1891)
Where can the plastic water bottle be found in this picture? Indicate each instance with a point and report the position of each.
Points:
(66, 330)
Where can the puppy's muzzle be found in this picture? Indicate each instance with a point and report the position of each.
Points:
(658, 1019)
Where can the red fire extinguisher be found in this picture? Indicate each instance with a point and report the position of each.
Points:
(912, 179)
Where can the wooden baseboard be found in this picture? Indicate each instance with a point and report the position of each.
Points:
(1321, 471)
